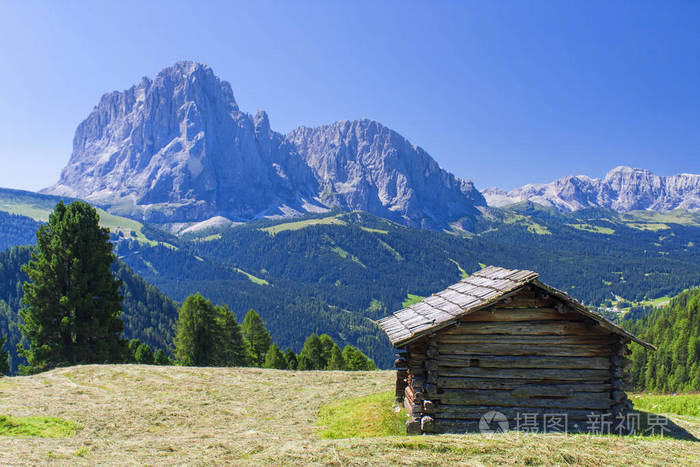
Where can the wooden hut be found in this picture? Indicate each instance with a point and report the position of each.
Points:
(500, 340)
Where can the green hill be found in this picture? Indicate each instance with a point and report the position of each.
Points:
(675, 330)
(146, 415)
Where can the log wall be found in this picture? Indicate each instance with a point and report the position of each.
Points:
(527, 354)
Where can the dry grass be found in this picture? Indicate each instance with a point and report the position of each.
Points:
(131, 414)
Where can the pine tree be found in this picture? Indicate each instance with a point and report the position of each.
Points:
(144, 355)
(72, 300)
(232, 348)
(159, 358)
(197, 333)
(255, 332)
(275, 358)
(355, 360)
(4, 358)
(291, 359)
(336, 362)
(131, 348)
(313, 352)
(304, 363)
(326, 349)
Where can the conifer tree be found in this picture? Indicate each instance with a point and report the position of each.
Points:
(159, 358)
(255, 332)
(144, 354)
(73, 305)
(291, 359)
(197, 333)
(313, 353)
(233, 350)
(275, 358)
(326, 349)
(355, 360)
(336, 362)
(4, 358)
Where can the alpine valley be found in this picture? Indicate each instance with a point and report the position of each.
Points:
(328, 229)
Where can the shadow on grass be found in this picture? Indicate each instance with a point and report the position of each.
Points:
(657, 425)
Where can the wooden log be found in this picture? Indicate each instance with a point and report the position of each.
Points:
(526, 349)
(453, 335)
(413, 426)
(619, 396)
(583, 401)
(513, 384)
(533, 328)
(472, 412)
(427, 424)
(528, 373)
(519, 314)
(593, 363)
(429, 406)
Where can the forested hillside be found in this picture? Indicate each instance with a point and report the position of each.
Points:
(148, 315)
(675, 331)
(335, 273)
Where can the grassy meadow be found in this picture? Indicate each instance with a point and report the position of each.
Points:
(134, 414)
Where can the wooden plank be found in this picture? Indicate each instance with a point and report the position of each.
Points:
(519, 314)
(447, 382)
(583, 401)
(592, 363)
(453, 335)
(528, 373)
(532, 328)
(526, 349)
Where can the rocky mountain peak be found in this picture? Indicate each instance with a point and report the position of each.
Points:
(178, 148)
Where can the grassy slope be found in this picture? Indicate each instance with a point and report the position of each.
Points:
(131, 414)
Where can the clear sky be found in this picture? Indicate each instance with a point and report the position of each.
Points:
(501, 92)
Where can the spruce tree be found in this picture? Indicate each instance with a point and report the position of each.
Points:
(313, 353)
(73, 306)
(232, 348)
(255, 332)
(4, 358)
(291, 359)
(326, 349)
(355, 360)
(197, 333)
(144, 354)
(336, 362)
(159, 358)
(275, 358)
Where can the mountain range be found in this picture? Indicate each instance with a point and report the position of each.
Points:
(623, 189)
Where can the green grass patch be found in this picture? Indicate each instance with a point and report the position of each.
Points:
(411, 299)
(593, 228)
(298, 225)
(679, 404)
(252, 278)
(371, 230)
(363, 417)
(462, 272)
(647, 226)
(36, 427)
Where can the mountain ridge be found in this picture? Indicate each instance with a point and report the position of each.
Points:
(623, 189)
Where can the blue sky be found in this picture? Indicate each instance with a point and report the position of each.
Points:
(504, 93)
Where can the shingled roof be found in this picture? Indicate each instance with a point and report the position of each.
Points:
(473, 293)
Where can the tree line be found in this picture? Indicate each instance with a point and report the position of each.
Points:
(72, 313)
